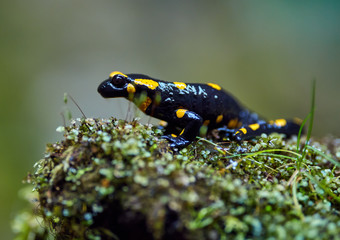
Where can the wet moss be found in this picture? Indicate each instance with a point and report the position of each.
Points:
(111, 179)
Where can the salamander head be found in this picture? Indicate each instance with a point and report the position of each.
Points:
(117, 85)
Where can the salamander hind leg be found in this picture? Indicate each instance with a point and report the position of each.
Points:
(287, 127)
(190, 122)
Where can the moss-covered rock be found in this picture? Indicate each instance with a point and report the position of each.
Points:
(109, 179)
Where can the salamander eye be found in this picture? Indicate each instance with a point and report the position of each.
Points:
(118, 80)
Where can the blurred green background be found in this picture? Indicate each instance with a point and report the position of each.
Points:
(265, 52)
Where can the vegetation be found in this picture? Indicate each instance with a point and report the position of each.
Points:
(111, 179)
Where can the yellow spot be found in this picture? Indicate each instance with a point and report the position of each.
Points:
(173, 135)
(243, 130)
(180, 85)
(180, 113)
(233, 123)
(148, 83)
(131, 88)
(206, 122)
(182, 131)
(254, 126)
(144, 105)
(280, 122)
(219, 118)
(213, 85)
(116, 73)
(163, 123)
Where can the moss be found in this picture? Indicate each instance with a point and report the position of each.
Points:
(109, 179)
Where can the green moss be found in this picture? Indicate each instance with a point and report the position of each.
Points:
(109, 179)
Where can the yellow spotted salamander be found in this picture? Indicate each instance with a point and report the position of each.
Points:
(186, 107)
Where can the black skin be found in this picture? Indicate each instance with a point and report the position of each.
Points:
(200, 104)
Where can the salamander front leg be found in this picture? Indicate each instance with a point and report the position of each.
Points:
(169, 128)
(190, 122)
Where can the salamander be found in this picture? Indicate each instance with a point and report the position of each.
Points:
(189, 107)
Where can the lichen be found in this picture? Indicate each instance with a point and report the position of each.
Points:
(111, 179)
